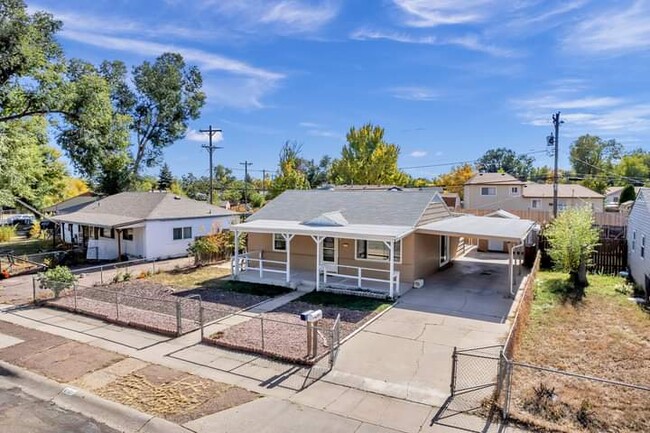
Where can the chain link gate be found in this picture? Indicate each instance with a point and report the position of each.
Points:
(476, 378)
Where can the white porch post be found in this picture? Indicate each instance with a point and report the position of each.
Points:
(287, 237)
(391, 272)
(235, 270)
(319, 242)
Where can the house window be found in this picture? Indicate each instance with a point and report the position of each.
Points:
(488, 190)
(127, 234)
(279, 242)
(633, 240)
(378, 250)
(536, 203)
(182, 233)
(103, 234)
(642, 246)
(514, 190)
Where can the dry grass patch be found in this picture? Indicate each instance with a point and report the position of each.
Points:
(177, 397)
(191, 278)
(603, 335)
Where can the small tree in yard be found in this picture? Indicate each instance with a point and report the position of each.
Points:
(627, 194)
(57, 279)
(573, 239)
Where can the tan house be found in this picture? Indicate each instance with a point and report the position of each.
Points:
(492, 191)
(379, 243)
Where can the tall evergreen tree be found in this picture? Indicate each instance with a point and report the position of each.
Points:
(165, 178)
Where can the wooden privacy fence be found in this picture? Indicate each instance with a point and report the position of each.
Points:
(615, 219)
(610, 256)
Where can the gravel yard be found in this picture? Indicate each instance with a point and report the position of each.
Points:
(153, 306)
(281, 334)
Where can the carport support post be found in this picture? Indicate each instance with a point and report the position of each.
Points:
(510, 267)
(391, 272)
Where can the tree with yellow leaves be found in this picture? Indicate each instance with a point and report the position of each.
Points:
(456, 178)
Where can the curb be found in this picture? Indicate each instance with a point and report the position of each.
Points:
(115, 415)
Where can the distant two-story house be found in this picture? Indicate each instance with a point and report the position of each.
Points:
(492, 191)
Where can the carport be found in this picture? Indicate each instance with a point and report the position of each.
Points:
(513, 232)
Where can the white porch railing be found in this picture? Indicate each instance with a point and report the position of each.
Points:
(253, 261)
(360, 274)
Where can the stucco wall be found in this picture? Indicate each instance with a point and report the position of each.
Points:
(504, 200)
(420, 255)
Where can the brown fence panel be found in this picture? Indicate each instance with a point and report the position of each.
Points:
(610, 256)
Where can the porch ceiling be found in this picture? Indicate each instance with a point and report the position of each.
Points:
(505, 229)
(351, 231)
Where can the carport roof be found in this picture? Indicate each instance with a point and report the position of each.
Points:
(505, 229)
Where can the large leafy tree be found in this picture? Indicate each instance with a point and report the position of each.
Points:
(367, 159)
(593, 159)
(30, 169)
(289, 175)
(573, 239)
(503, 160)
(634, 167)
(454, 180)
(161, 98)
(317, 173)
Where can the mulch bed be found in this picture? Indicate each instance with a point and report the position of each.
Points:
(152, 306)
(285, 335)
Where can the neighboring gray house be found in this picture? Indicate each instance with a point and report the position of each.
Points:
(149, 225)
(72, 204)
(638, 239)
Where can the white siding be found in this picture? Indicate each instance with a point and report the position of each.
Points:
(159, 241)
(639, 223)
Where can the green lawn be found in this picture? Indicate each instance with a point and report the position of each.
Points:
(26, 246)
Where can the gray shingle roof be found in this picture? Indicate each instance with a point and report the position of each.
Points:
(395, 208)
(131, 207)
(73, 204)
(493, 178)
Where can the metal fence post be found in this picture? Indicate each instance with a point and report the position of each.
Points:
(178, 318)
(101, 275)
(34, 289)
(262, 329)
(117, 306)
(454, 360)
(201, 319)
(74, 293)
(506, 404)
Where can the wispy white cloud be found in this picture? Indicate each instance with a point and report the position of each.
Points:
(470, 42)
(324, 133)
(613, 31)
(427, 13)
(283, 16)
(199, 137)
(555, 103)
(414, 93)
(309, 125)
(533, 19)
(418, 153)
(207, 60)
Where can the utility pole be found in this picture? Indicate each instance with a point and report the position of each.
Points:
(246, 164)
(555, 141)
(264, 183)
(211, 148)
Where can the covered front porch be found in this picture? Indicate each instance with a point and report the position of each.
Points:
(323, 258)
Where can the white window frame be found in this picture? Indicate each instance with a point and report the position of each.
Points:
(356, 252)
(488, 188)
(281, 238)
(536, 200)
(182, 229)
(514, 193)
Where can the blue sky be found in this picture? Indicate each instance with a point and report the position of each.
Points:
(447, 79)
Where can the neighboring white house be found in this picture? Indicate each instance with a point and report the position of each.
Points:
(613, 194)
(148, 225)
(492, 191)
(638, 239)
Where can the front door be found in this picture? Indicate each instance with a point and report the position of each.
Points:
(330, 254)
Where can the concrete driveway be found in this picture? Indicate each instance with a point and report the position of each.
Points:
(406, 353)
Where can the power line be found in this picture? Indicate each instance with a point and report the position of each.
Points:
(246, 164)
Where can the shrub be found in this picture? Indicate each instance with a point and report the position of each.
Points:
(213, 247)
(627, 194)
(7, 233)
(57, 279)
(35, 231)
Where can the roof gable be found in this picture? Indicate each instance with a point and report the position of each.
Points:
(564, 191)
(393, 208)
(328, 219)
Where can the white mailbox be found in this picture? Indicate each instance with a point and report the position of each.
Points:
(311, 315)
